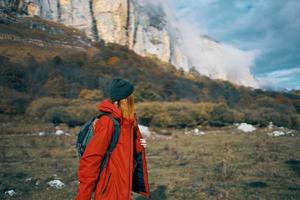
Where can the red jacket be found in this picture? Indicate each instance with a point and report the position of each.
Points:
(126, 170)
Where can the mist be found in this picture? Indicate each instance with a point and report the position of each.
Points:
(210, 57)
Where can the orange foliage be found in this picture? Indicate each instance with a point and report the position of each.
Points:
(113, 60)
(280, 99)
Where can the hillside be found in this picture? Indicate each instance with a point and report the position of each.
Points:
(149, 28)
(41, 58)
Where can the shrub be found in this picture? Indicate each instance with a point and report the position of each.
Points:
(265, 101)
(203, 111)
(91, 94)
(13, 102)
(296, 121)
(174, 114)
(113, 60)
(55, 87)
(146, 92)
(183, 119)
(38, 107)
(161, 120)
(221, 112)
(263, 116)
(56, 115)
(238, 116)
(72, 115)
(147, 110)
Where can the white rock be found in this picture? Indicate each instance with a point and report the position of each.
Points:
(42, 133)
(28, 179)
(195, 131)
(246, 127)
(145, 130)
(198, 132)
(57, 184)
(59, 132)
(270, 126)
(277, 133)
(10, 193)
(283, 131)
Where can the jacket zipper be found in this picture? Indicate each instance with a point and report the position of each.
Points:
(105, 187)
(129, 191)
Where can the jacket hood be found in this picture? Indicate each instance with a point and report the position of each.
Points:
(107, 106)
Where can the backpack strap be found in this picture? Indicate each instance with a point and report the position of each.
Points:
(113, 141)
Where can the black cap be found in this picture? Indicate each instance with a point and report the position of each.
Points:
(120, 89)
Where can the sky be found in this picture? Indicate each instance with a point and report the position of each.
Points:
(269, 29)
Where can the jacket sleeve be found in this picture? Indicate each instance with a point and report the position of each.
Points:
(89, 164)
(141, 165)
(138, 146)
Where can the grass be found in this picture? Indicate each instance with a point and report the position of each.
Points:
(223, 164)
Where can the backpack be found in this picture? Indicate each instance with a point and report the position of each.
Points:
(86, 132)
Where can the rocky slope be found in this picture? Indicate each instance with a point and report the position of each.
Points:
(139, 25)
(145, 28)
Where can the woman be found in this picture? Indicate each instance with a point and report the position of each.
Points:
(126, 170)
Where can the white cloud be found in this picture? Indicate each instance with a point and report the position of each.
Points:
(213, 59)
(269, 27)
(276, 79)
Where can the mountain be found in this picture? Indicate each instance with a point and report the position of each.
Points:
(148, 28)
(47, 63)
(137, 24)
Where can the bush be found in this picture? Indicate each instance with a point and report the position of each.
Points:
(56, 115)
(113, 60)
(221, 112)
(183, 119)
(238, 117)
(203, 111)
(263, 116)
(296, 122)
(94, 95)
(13, 102)
(178, 114)
(38, 107)
(161, 120)
(72, 115)
(55, 87)
(147, 110)
(146, 92)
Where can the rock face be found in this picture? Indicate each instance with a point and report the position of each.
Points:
(145, 28)
(139, 25)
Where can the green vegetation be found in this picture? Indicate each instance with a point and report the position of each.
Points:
(83, 78)
(57, 83)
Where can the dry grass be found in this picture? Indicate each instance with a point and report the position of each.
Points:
(222, 164)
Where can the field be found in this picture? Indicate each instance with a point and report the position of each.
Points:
(222, 164)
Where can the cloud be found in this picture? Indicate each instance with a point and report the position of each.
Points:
(217, 60)
(276, 79)
(270, 28)
(209, 57)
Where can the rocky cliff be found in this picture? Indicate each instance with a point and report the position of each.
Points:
(147, 29)
(139, 25)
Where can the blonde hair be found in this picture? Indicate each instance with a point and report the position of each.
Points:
(127, 107)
